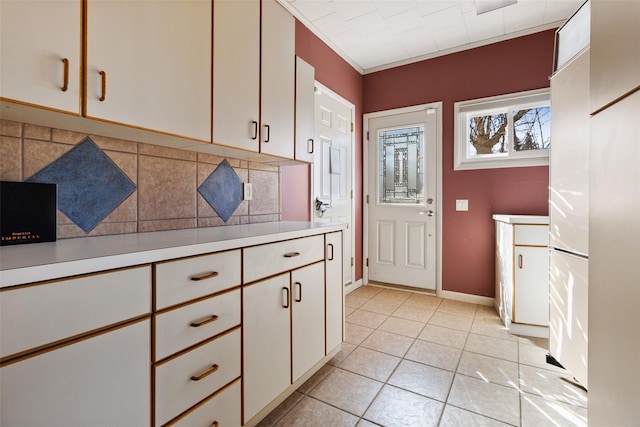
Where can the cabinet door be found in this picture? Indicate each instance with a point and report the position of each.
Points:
(305, 83)
(277, 80)
(531, 287)
(35, 38)
(82, 384)
(334, 288)
(156, 60)
(236, 73)
(615, 51)
(569, 312)
(307, 324)
(267, 342)
(569, 160)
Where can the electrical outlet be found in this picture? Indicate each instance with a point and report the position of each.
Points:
(247, 189)
(462, 205)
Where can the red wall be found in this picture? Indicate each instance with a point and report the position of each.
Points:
(336, 74)
(516, 65)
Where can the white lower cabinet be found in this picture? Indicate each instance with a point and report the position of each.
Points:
(221, 410)
(307, 318)
(522, 273)
(99, 381)
(213, 339)
(531, 289)
(266, 342)
(284, 333)
(186, 380)
(334, 291)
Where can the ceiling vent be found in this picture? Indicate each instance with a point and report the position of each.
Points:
(483, 6)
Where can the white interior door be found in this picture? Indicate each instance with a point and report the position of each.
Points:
(332, 168)
(402, 198)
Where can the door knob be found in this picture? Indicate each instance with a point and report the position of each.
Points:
(428, 213)
(429, 201)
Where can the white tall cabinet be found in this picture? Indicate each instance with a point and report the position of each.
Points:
(614, 223)
(569, 210)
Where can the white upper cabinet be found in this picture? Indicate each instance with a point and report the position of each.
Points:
(40, 49)
(149, 65)
(236, 75)
(615, 51)
(277, 80)
(305, 130)
(253, 77)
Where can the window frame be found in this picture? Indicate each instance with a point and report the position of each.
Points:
(463, 110)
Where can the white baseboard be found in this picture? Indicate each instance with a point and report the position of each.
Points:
(473, 299)
(352, 286)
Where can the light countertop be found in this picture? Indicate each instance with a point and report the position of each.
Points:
(35, 262)
(522, 219)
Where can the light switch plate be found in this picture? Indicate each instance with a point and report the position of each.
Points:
(247, 188)
(462, 205)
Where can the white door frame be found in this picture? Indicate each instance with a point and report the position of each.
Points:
(354, 284)
(365, 185)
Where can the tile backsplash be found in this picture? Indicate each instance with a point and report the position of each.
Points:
(166, 182)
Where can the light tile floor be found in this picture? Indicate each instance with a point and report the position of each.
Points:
(416, 360)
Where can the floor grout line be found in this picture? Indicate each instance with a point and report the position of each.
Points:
(475, 319)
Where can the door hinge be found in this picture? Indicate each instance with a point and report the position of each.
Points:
(352, 261)
(367, 135)
(367, 198)
(351, 194)
(352, 126)
(367, 262)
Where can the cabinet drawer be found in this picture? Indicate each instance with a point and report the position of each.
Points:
(223, 408)
(177, 385)
(183, 327)
(533, 235)
(37, 315)
(191, 278)
(267, 260)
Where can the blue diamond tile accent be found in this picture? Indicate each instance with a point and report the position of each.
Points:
(222, 190)
(90, 184)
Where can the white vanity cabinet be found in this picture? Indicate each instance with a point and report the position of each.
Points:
(76, 349)
(522, 273)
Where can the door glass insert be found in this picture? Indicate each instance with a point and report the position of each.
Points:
(401, 165)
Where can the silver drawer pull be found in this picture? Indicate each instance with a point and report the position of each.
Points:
(205, 321)
(291, 254)
(205, 374)
(203, 276)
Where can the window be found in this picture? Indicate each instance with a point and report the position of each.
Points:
(503, 131)
(401, 165)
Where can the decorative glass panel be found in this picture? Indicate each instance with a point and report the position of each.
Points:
(487, 134)
(401, 165)
(532, 129)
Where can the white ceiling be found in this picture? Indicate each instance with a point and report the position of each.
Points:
(377, 34)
